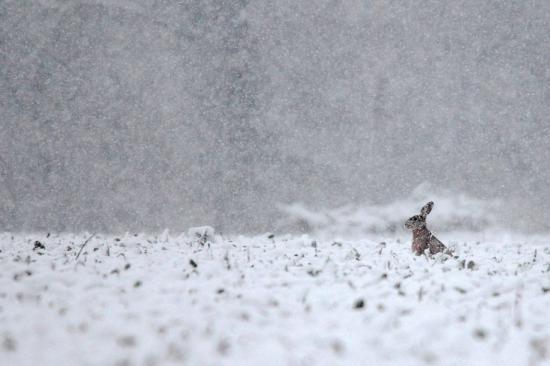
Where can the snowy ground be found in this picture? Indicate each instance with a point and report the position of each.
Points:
(146, 300)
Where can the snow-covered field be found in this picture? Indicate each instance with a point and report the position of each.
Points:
(184, 300)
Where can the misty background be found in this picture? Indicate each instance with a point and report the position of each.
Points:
(144, 115)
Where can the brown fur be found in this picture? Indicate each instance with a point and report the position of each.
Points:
(422, 237)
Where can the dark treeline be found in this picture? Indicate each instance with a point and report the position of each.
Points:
(141, 115)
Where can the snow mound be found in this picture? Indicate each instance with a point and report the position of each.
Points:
(452, 212)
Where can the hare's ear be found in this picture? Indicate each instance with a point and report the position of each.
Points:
(427, 209)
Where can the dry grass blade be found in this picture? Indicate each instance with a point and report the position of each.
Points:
(83, 245)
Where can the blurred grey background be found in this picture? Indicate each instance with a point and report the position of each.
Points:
(141, 115)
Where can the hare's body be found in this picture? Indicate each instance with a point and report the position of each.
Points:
(422, 237)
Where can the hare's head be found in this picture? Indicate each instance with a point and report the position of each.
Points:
(419, 221)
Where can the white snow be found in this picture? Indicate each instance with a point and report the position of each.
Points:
(452, 211)
(202, 232)
(285, 300)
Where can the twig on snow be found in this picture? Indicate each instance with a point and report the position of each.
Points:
(83, 245)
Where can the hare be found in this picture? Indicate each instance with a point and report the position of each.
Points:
(422, 237)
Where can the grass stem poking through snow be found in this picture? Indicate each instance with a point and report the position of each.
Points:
(83, 245)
